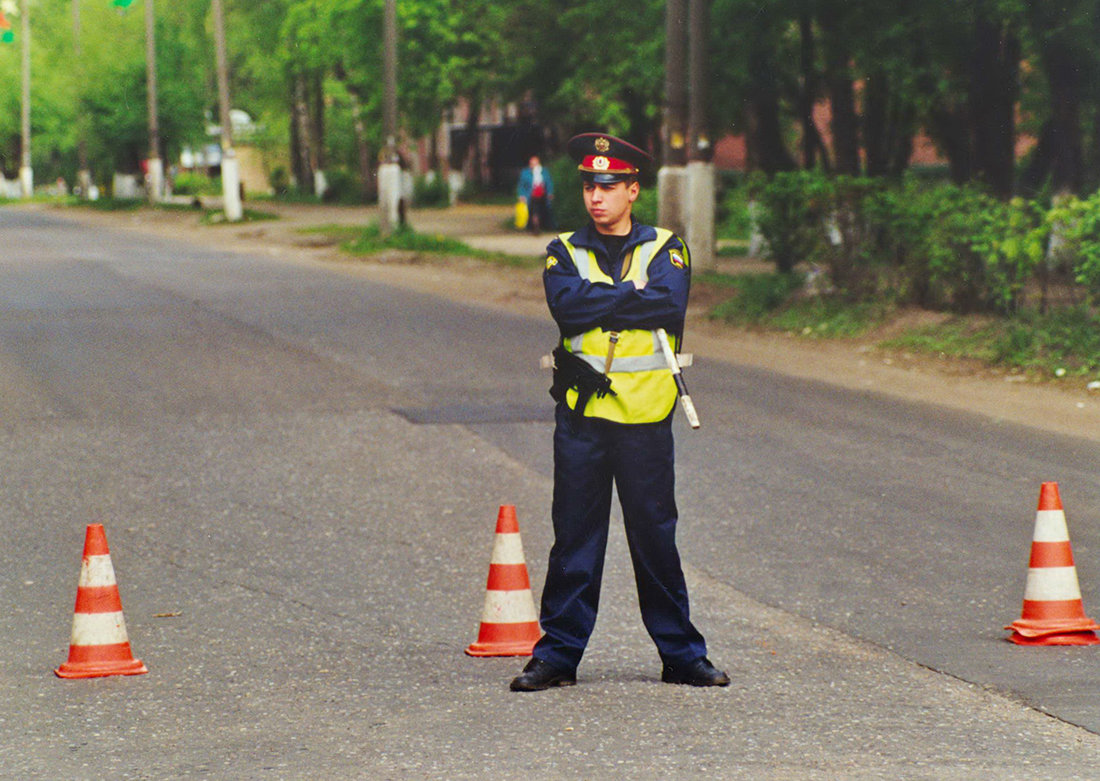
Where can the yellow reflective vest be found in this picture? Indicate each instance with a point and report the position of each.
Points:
(644, 389)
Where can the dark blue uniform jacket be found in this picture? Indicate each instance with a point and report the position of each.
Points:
(578, 305)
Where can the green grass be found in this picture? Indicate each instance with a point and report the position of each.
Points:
(371, 241)
(291, 197)
(110, 204)
(757, 297)
(217, 217)
(333, 231)
(732, 248)
(830, 318)
(209, 216)
(716, 279)
(1065, 342)
(39, 198)
(769, 300)
(960, 337)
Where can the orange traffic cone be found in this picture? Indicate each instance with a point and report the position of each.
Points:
(1053, 613)
(99, 645)
(509, 624)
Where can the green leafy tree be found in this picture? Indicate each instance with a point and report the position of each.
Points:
(102, 98)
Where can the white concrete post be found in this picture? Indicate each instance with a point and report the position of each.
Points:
(671, 196)
(389, 196)
(231, 185)
(701, 202)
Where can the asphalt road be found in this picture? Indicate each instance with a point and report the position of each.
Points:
(299, 472)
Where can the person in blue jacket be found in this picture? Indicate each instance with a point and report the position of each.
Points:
(536, 187)
(609, 286)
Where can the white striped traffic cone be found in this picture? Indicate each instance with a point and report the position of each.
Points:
(99, 645)
(509, 624)
(1053, 612)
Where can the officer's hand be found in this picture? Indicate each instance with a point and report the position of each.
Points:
(639, 284)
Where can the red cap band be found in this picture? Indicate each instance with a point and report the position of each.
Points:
(602, 164)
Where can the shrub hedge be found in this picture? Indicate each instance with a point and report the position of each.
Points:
(941, 246)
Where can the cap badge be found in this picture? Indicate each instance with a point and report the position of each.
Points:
(601, 163)
(602, 145)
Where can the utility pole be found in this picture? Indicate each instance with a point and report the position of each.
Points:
(231, 178)
(154, 166)
(83, 175)
(26, 173)
(686, 181)
(671, 176)
(701, 180)
(389, 171)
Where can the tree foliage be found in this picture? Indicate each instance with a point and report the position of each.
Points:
(93, 88)
(974, 76)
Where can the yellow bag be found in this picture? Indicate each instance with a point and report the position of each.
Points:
(521, 214)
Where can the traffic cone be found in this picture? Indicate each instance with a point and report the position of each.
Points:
(99, 645)
(509, 624)
(1053, 612)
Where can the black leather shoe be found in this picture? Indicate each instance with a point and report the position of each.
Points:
(539, 675)
(698, 673)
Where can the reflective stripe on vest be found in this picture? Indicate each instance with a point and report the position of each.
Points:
(639, 352)
(623, 363)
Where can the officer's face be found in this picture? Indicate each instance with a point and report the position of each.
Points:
(609, 205)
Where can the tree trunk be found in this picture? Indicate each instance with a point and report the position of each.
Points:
(841, 90)
(1091, 175)
(317, 114)
(295, 146)
(845, 125)
(950, 126)
(433, 153)
(765, 131)
(641, 125)
(471, 166)
(807, 95)
(1063, 62)
(362, 145)
(901, 144)
(993, 94)
(1040, 162)
(304, 166)
(889, 122)
(876, 99)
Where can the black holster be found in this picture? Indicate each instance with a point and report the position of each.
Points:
(573, 373)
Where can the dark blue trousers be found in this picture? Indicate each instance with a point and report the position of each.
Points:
(590, 455)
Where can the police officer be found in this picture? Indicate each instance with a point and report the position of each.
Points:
(609, 286)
